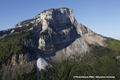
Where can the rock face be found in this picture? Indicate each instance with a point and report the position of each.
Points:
(56, 27)
(55, 35)
(60, 34)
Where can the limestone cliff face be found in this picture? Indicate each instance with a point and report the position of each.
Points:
(62, 35)
(55, 35)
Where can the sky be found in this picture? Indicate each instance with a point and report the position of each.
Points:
(101, 16)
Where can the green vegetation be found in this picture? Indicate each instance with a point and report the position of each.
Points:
(114, 44)
(11, 45)
(99, 62)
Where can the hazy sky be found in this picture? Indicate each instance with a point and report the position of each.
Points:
(102, 16)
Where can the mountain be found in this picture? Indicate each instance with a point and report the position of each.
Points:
(49, 43)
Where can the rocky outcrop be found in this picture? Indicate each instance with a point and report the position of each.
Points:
(25, 23)
(18, 64)
(42, 64)
(19, 59)
(11, 73)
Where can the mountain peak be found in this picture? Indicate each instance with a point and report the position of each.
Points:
(58, 15)
(58, 9)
